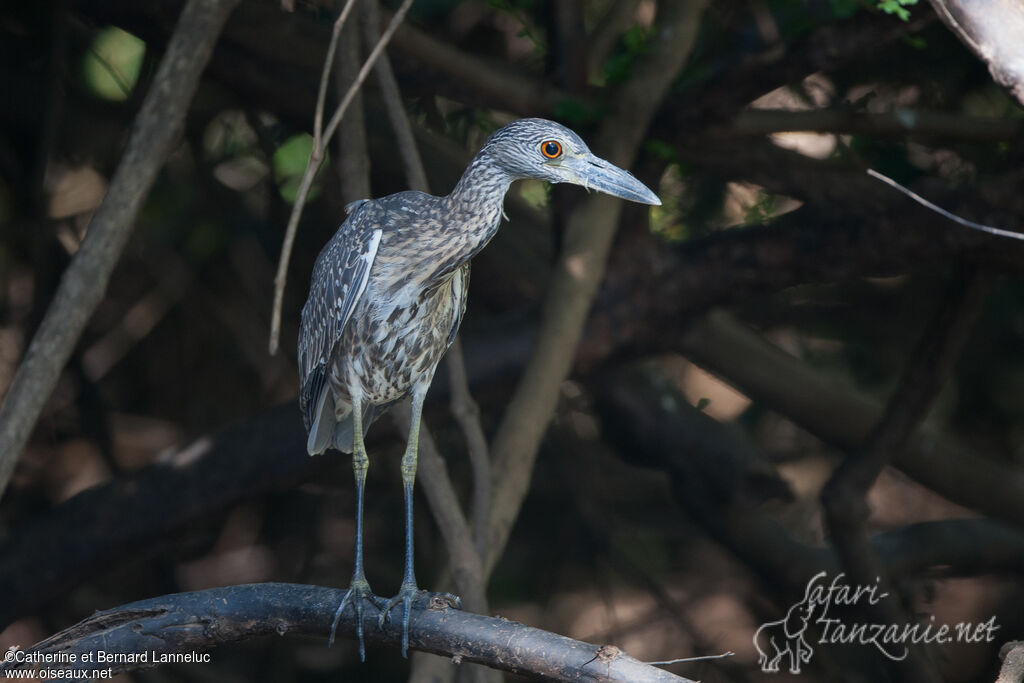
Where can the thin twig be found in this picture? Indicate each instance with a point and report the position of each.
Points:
(385, 38)
(703, 658)
(154, 134)
(942, 212)
(325, 75)
(316, 158)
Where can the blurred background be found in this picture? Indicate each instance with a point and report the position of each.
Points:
(747, 335)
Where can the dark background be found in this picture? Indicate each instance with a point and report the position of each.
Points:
(779, 291)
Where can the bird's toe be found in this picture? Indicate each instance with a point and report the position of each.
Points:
(357, 595)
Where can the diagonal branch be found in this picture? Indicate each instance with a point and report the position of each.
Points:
(579, 272)
(316, 157)
(83, 285)
(844, 496)
(467, 414)
(843, 417)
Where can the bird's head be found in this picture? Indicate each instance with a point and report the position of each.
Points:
(537, 148)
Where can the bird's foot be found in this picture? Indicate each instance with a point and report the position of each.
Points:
(357, 593)
(407, 594)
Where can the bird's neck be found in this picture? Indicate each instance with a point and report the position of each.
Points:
(483, 184)
(475, 207)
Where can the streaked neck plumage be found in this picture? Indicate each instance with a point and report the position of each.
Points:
(475, 207)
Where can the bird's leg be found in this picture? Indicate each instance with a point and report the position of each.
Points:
(359, 589)
(409, 590)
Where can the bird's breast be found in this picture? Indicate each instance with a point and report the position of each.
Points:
(399, 338)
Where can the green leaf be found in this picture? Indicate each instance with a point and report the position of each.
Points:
(290, 162)
(897, 7)
(112, 64)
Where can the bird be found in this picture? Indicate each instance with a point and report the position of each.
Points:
(387, 296)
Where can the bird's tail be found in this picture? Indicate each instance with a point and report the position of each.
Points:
(323, 424)
(344, 429)
(330, 431)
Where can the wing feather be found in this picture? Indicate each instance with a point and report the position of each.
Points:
(339, 279)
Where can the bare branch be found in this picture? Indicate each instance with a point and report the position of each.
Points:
(83, 285)
(415, 175)
(377, 51)
(579, 272)
(843, 417)
(993, 33)
(844, 496)
(899, 122)
(196, 622)
(602, 39)
(718, 477)
(315, 159)
(325, 76)
(942, 212)
(479, 80)
(467, 414)
(353, 161)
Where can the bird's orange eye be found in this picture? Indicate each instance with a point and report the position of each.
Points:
(552, 149)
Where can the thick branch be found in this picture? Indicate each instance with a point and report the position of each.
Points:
(993, 31)
(202, 620)
(719, 478)
(900, 123)
(83, 285)
(843, 417)
(81, 537)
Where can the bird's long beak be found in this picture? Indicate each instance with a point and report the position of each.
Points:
(595, 173)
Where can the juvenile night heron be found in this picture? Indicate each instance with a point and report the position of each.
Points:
(387, 296)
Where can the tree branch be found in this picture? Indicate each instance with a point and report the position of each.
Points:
(843, 417)
(154, 134)
(993, 33)
(467, 414)
(415, 175)
(719, 479)
(843, 498)
(353, 163)
(316, 157)
(613, 24)
(196, 622)
(578, 274)
(900, 123)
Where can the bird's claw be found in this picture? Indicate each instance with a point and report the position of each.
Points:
(357, 593)
(407, 594)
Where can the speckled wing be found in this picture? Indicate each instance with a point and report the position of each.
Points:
(339, 279)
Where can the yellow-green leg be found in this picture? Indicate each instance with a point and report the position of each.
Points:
(409, 590)
(359, 589)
